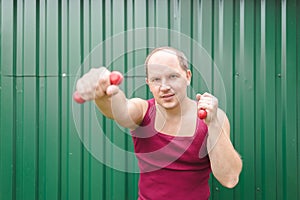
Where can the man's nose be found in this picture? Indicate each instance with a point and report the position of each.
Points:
(164, 85)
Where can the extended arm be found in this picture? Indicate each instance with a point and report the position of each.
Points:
(126, 112)
(111, 101)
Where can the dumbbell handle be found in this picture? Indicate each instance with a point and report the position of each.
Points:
(115, 78)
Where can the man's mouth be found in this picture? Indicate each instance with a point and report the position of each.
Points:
(167, 96)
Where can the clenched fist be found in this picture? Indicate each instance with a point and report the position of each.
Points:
(95, 84)
(209, 103)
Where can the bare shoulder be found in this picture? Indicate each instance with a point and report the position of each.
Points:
(141, 104)
(137, 110)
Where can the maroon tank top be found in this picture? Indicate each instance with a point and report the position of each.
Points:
(171, 167)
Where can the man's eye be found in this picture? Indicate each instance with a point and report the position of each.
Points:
(155, 79)
(173, 76)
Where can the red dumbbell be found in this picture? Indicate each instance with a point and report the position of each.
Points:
(202, 113)
(115, 78)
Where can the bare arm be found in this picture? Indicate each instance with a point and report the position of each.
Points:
(225, 162)
(111, 101)
(126, 112)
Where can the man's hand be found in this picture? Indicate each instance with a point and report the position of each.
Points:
(96, 84)
(209, 103)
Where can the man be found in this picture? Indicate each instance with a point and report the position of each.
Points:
(167, 134)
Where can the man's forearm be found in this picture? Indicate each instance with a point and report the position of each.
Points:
(225, 161)
(112, 106)
(119, 108)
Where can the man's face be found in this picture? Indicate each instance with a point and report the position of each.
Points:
(167, 80)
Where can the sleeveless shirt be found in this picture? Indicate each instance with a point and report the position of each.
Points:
(171, 167)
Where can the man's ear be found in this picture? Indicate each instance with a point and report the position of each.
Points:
(188, 77)
(147, 82)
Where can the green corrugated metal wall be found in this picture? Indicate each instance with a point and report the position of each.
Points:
(48, 149)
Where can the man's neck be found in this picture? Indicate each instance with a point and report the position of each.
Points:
(177, 111)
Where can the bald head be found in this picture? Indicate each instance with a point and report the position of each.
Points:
(165, 56)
